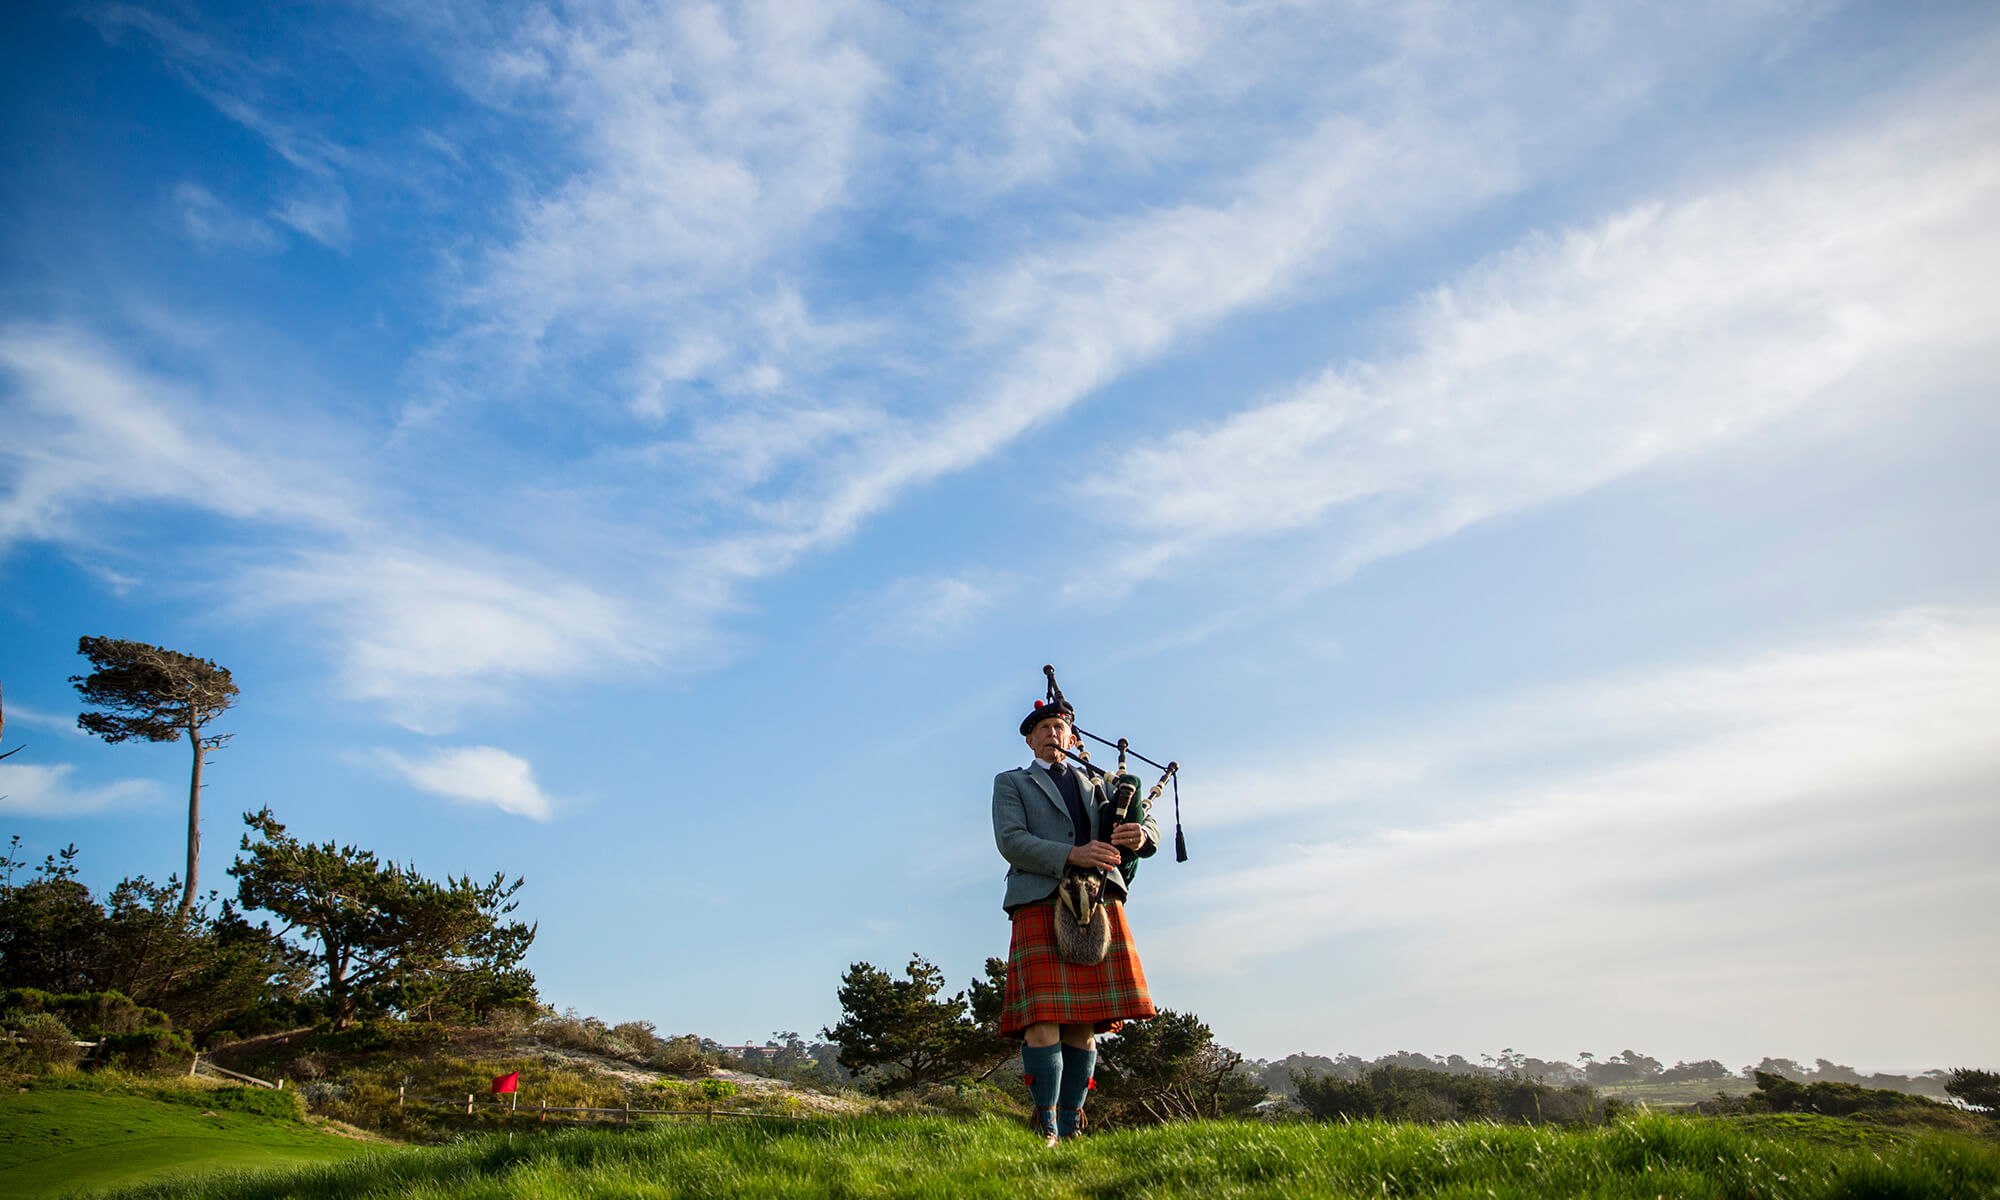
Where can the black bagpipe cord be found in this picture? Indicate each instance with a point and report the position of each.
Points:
(1180, 839)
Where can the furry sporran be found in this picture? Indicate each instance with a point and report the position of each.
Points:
(1083, 927)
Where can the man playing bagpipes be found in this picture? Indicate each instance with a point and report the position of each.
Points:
(1070, 839)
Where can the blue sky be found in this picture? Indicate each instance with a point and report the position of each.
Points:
(1531, 465)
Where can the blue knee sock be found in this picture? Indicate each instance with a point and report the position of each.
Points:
(1078, 1066)
(1043, 1065)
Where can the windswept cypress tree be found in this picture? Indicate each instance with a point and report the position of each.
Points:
(157, 694)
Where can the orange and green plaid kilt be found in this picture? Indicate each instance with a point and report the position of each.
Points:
(1042, 987)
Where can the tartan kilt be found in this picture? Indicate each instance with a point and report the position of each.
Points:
(1042, 987)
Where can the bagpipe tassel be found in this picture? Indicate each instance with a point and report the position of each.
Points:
(1180, 839)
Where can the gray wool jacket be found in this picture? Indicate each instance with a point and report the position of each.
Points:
(1031, 826)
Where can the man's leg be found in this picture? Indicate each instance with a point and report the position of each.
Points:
(1079, 1063)
(1042, 1063)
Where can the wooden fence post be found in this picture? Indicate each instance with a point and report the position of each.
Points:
(399, 1097)
(545, 1110)
(468, 1104)
(193, 1061)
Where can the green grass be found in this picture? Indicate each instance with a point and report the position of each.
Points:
(72, 1134)
(1648, 1156)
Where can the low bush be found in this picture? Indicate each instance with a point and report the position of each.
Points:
(682, 1055)
(633, 1041)
(574, 1032)
(89, 1015)
(1978, 1090)
(371, 1037)
(40, 1042)
(966, 1100)
(145, 1050)
(1393, 1093)
(1882, 1106)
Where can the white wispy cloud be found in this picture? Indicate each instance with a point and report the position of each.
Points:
(932, 609)
(19, 714)
(477, 775)
(89, 431)
(211, 223)
(699, 156)
(428, 636)
(1025, 336)
(703, 142)
(321, 217)
(418, 621)
(1058, 79)
(1694, 818)
(35, 790)
(1580, 357)
(231, 80)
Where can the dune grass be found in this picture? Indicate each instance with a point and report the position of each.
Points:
(1644, 1157)
(56, 1139)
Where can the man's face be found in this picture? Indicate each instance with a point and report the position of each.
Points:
(1049, 738)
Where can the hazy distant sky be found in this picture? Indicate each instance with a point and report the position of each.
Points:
(1533, 465)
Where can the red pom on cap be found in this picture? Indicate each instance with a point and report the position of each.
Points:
(1038, 704)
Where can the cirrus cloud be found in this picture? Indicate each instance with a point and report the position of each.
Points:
(477, 775)
(36, 790)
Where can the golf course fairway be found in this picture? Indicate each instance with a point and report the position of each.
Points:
(52, 1142)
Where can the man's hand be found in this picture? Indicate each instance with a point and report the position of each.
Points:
(1130, 837)
(1101, 855)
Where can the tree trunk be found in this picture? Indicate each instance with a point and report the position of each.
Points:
(194, 826)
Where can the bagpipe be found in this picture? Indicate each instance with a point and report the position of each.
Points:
(1126, 807)
(1082, 930)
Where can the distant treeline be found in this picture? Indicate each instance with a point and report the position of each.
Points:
(1626, 1067)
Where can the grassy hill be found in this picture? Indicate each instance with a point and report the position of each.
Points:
(1798, 1158)
(63, 1135)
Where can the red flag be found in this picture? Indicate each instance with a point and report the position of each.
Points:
(510, 1082)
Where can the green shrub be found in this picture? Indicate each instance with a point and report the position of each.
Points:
(717, 1089)
(682, 1055)
(1882, 1106)
(145, 1049)
(574, 1032)
(89, 1015)
(1395, 1093)
(673, 1094)
(41, 1043)
(372, 1037)
(634, 1040)
(1977, 1090)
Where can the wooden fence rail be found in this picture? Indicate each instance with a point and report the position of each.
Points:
(542, 1110)
(196, 1063)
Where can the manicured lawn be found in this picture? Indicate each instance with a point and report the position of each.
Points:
(53, 1141)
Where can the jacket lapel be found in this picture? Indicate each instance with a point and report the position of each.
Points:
(1050, 790)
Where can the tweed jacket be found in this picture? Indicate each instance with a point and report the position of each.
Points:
(1031, 825)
